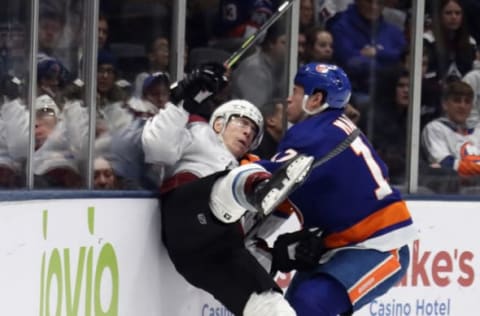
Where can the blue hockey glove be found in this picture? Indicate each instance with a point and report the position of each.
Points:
(300, 250)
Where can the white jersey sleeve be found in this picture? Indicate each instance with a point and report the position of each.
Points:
(435, 140)
(165, 136)
(473, 79)
(17, 126)
(76, 118)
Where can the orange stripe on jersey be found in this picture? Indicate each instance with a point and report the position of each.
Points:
(249, 158)
(393, 214)
(340, 124)
(287, 208)
(345, 124)
(374, 277)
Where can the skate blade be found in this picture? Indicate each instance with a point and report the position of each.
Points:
(296, 173)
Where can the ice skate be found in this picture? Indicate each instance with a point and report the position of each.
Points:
(270, 193)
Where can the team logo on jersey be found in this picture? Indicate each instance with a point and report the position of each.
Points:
(284, 155)
(322, 68)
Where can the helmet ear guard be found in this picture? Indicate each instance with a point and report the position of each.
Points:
(329, 79)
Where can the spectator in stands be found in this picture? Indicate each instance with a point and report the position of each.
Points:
(156, 90)
(107, 73)
(104, 177)
(155, 94)
(325, 9)
(431, 89)
(275, 123)
(307, 19)
(103, 29)
(389, 135)
(52, 76)
(158, 54)
(472, 12)
(473, 79)
(431, 107)
(302, 44)
(238, 19)
(264, 69)
(54, 162)
(9, 167)
(50, 29)
(448, 142)
(364, 43)
(451, 49)
(319, 45)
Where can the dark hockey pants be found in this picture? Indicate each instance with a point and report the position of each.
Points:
(208, 253)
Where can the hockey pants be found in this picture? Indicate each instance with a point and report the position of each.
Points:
(208, 253)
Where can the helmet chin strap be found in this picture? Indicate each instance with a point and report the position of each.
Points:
(315, 111)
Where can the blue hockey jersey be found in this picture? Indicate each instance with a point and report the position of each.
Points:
(349, 196)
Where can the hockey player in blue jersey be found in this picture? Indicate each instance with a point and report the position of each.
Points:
(357, 227)
(354, 245)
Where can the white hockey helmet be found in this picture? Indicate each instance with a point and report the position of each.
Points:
(242, 108)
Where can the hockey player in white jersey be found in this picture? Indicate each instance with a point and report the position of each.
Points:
(203, 233)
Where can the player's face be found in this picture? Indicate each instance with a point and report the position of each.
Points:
(238, 135)
(294, 109)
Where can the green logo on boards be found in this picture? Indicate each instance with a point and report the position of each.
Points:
(90, 284)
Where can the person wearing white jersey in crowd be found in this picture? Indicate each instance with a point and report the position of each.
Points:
(449, 142)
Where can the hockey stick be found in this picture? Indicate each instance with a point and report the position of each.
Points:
(318, 162)
(249, 42)
(252, 39)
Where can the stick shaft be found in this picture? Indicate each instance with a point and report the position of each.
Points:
(252, 39)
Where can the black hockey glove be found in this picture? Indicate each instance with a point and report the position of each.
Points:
(300, 250)
(198, 85)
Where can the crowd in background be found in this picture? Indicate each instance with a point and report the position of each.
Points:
(369, 39)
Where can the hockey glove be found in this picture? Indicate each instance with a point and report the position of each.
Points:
(300, 250)
(200, 84)
(469, 164)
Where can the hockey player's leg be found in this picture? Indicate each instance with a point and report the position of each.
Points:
(320, 296)
(251, 187)
(268, 303)
(228, 200)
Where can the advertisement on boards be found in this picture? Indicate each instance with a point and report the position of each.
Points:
(445, 261)
(90, 257)
(105, 257)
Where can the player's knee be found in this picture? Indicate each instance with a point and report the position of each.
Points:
(268, 304)
(322, 296)
(228, 200)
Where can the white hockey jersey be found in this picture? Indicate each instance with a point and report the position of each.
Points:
(184, 143)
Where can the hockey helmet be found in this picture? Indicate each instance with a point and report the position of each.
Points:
(330, 79)
(242, 108)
